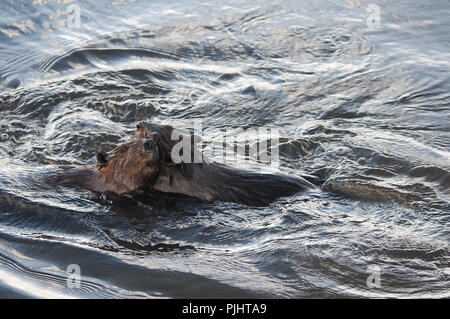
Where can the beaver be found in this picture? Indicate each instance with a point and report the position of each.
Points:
(210, 181)
(128, 167)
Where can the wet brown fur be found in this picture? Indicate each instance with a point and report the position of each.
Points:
(213, 181)
(129, 166)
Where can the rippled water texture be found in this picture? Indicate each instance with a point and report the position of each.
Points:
(364, 106)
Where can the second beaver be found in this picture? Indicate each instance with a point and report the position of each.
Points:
(211, 181)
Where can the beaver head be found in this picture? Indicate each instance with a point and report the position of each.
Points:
(166, 137)
(130, 165)
(161, 134)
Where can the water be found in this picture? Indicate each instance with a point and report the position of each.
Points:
(362, 103)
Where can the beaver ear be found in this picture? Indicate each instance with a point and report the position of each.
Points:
(101, 160)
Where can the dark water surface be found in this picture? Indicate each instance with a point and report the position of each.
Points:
(363, 105)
